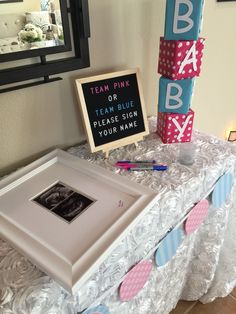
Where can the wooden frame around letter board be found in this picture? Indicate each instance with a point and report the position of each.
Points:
(83, 106)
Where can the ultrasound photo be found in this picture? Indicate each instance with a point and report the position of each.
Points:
(63, 201)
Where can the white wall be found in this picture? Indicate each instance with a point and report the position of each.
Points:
(19, 7)
(215, 102)
(124, 34)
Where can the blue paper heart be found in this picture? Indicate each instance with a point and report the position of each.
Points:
(222, 190)
(169, 246)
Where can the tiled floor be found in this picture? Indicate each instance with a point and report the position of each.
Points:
(219, 306)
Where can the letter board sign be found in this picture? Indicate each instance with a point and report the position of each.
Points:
(113, 109)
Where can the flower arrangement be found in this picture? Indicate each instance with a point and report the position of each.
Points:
(30, 33)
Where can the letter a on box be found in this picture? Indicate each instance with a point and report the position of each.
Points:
(175, 96)
(183, 19)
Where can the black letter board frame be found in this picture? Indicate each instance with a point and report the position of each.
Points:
(113, 109)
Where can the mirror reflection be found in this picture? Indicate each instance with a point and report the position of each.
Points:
(30, 24)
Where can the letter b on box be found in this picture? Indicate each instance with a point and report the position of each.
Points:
(183, 19)
(175, 96)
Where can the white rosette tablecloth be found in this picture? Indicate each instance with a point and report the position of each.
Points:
(203, 268)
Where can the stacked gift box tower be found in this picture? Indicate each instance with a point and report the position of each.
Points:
(180, 60)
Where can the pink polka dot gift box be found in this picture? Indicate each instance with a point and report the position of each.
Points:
(180, 59)
(175, 127)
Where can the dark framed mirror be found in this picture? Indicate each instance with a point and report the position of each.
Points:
(40, 32)
(33, 33)
(9, 1)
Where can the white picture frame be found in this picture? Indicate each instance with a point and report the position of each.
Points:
(52, 243)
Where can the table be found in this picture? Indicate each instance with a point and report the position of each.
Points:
(203, 268)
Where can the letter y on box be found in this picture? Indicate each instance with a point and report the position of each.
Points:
(175, 127)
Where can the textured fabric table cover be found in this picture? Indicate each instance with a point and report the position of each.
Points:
(203, 268)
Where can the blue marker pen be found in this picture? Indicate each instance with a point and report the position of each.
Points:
(154, 168)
